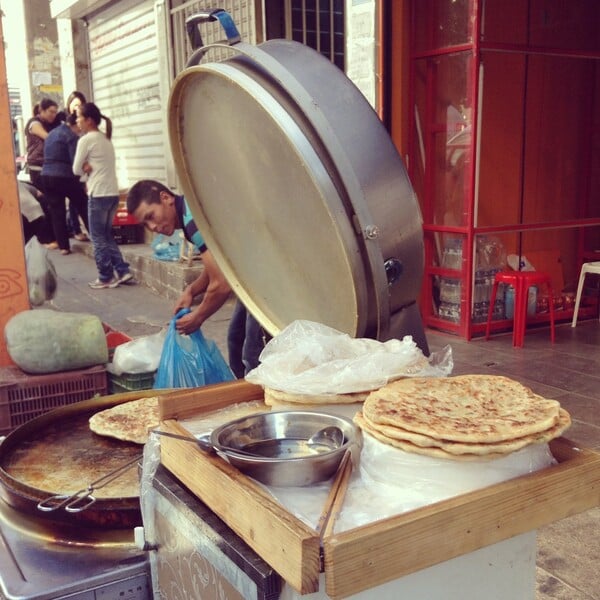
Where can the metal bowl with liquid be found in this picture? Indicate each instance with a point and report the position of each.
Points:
(279, 442)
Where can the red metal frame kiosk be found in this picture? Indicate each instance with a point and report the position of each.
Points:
(503, 142)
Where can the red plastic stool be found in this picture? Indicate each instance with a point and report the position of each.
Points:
(521, 282)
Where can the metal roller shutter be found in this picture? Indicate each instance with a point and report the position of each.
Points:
(124, 66)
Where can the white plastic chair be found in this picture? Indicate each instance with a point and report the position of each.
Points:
(590, 267)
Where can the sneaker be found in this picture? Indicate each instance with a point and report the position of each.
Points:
(125, 278)
(100, 285)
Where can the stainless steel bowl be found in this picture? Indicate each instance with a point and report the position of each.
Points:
(279, 440)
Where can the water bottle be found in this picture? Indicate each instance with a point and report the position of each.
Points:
(509, 301)
(532, 301)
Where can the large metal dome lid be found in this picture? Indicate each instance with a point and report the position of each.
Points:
(297, 189)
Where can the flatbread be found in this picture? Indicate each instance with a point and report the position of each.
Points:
(413, 448)
(275, 397)
(466, 408)
(481, 449)
(129, 421)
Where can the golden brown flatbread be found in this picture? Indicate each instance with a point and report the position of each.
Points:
(275, 397)
(467, 408)
(413, 448)
(458, 448)
(129, 421)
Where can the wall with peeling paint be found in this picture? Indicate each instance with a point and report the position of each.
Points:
(43, 52)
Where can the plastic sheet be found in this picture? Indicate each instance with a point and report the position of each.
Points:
(311, 358)
(389, 482)
(140, 355)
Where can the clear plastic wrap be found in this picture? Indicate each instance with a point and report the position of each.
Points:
(311, 358)
(388, 482)
(140, 355)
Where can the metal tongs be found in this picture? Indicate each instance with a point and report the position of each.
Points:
(83, 498)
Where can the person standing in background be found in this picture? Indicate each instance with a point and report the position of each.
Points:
(74, 101)
(36, 132)
(58, 179)
(95, 157)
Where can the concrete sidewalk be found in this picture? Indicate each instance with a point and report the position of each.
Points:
(568, 551)
(136, 309)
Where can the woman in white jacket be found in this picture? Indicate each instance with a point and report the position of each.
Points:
(95, 157)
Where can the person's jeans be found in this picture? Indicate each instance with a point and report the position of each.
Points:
(101, 213)
(54, 196)
(77, 208)
(245, 341)
(55, 190)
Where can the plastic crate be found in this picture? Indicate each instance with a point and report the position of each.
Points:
(24, 396)
(127, 234)
(129, 382)
(114, 339)
(122, 216)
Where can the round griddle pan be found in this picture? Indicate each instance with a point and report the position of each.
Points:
(64, 441)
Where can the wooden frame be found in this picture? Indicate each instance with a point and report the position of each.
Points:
(375, 553)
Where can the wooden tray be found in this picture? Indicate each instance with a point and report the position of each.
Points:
(375, 553)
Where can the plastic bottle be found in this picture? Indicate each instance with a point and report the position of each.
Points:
(509, 301)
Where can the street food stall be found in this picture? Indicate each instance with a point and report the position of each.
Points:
(197, 522)
(307, 208)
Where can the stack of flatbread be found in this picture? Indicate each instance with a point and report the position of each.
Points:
(462, 418)
(280, 399)
(129, 421)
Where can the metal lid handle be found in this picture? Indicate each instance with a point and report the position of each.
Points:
(218, 14)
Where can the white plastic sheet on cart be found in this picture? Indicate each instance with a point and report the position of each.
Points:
(311, 358)
(388, 482)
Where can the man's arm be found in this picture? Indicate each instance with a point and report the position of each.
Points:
(216, 291)
(80, 156)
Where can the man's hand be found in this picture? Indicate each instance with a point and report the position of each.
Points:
(184, 301)
(189, 323)
(215, 289)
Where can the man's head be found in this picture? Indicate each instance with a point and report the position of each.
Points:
(153, 204)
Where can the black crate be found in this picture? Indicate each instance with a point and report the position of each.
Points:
(128, 234)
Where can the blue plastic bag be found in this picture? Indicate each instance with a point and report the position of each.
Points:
(167, 248)
(189, 360)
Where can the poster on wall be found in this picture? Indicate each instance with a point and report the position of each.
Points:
(361, 47)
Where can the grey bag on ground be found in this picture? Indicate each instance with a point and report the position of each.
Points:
(41, 274)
